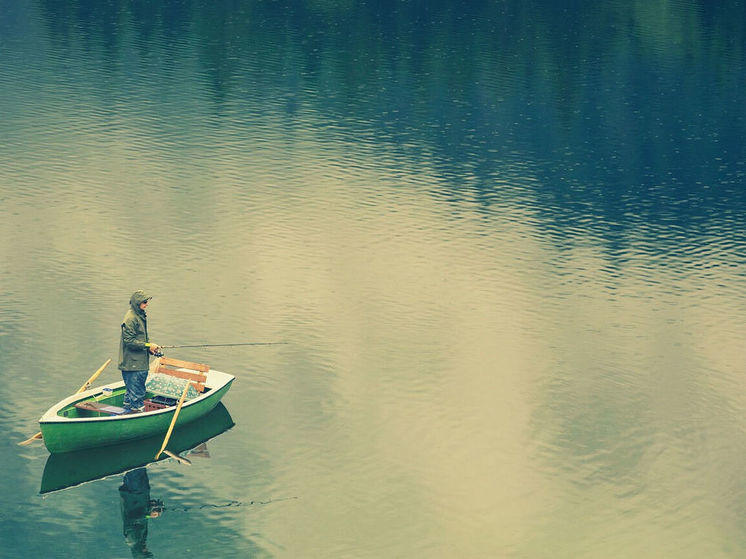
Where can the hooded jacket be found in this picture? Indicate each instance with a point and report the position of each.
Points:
(133, 348)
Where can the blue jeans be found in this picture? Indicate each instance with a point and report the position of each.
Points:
(134, 381)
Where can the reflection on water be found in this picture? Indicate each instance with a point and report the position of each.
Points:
(137, 505)
(504, 240)
(137, 509)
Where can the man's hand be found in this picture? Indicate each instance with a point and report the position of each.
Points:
(153, 348)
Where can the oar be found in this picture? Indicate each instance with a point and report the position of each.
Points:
(173, 421)
(179, 459)
(86, 386)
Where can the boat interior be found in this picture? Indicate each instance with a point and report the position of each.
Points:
(102, 405)
(168, 379)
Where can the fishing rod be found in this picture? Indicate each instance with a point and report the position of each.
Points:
(159, 353)
(222, 345)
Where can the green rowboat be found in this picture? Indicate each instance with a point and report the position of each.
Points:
(67, 428)
(70, 469)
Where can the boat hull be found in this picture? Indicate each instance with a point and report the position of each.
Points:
(69, 469)
(62, 434)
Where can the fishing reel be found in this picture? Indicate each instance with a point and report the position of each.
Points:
(155, 508)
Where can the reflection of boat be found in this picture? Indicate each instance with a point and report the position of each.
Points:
(93, 418)
(73, 468)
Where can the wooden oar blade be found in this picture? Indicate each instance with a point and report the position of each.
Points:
(86, 386)
(173, 421)
(27, 442)
(179, 459)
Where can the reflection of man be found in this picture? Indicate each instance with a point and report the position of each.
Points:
(136, 509)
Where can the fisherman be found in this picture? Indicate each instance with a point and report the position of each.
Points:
(134, 352)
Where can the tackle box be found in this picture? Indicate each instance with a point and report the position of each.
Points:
(158, 403)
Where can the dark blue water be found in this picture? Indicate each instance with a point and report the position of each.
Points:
(504, 242)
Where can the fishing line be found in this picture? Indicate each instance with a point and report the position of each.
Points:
(229, 504)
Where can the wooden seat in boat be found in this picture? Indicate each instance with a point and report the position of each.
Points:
(196, 372)
(100, 407)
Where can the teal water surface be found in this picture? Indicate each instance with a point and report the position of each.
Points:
(503, 242)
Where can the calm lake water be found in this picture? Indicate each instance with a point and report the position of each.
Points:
(504, 243)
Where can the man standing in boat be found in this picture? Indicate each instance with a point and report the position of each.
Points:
(134, 351)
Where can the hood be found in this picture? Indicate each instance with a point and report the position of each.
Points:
(138, 297)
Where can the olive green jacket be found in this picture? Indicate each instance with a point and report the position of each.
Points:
(133, 348)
